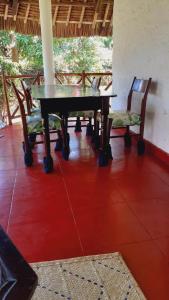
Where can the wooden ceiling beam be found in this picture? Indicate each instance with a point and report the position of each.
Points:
(16, 12)
(94, 20)
(98, 4)
(27, 13)
(55, 15)
(105, 15)
(81, 17)
(96, 13)
(111, 21)
(6, 12)
(68, 15)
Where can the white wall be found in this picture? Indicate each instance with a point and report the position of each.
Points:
(141, 48)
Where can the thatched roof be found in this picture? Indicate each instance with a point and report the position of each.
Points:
(70, 17)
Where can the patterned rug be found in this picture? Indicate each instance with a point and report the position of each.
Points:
(98, 277)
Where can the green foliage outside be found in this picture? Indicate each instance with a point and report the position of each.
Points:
(92, 54)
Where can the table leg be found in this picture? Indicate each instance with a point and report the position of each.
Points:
(96, 137)
(66, 138)
(48, 161)
(105, 149)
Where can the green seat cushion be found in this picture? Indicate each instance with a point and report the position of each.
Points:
(54, 122)
(35, 111)
(124, 118)
(73, 114)
(83, 114)
(35, 123)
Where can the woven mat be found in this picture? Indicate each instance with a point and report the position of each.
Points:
(98, 277)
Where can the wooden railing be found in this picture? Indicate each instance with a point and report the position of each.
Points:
(11, 108)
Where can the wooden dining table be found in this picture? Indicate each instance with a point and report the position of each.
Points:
(68, 98)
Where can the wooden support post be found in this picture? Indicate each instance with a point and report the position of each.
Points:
(45, 8)
(5, 97)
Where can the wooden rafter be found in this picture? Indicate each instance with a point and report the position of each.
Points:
(98, 4)
(68, 15)
(106, 14)
(81, 17)
(55, 14)
(15, 4)
(94, 20)
(6, 12)
(27, 13)
(111, 21)
(16, 12)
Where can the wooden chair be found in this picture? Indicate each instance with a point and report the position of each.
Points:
(32, 126)
(126, 119)
(17, 279)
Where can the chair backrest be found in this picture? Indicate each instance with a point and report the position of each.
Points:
(28, 96)
(23, 113)
(17, 279)
(20, 101)
(96, 83)
(141, 86)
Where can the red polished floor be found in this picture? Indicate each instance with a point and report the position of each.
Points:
(81, 209)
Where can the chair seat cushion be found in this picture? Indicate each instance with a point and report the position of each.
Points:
(73, 114)
(35, 123)
(54, 122)
(36, 111)
(83, 114)
(124, 118)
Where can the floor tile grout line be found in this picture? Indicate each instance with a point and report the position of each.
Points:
(12, 200)
(141, 223)
(131, 209)
(163, 253)
(71, 208)
(139, 220)
(161, 179)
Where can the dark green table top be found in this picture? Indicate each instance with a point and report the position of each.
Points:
(67, 92)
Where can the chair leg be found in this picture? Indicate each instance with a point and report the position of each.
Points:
(59, 141)
(28, 157)
(78, 125)
(140, 147)
(141, 143)
(96, 136)
(89, 129)
(48, 164)
(127, 138)
(109, 152)
(108, 147)
(32, 139)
